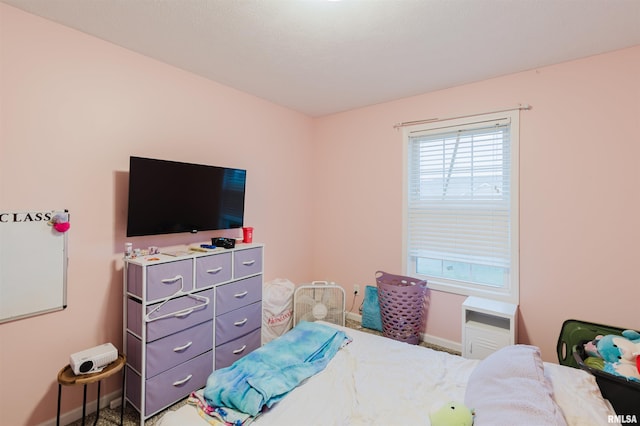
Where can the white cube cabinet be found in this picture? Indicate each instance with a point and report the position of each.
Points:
(186, 315)
(487, 325)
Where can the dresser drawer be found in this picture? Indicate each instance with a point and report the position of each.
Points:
(237, 323)
(178, 348)
(176, 383)
(214, 269)
(178, 314)
(165, 279)
(134, 352)
(237, 294)
(232, 351)
(247, 262)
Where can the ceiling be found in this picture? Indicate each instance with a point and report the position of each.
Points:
(320, 57)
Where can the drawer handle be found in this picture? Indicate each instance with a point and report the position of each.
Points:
(184, 313)
(183, 381)
(171, 280)
(237, 351)
(214, 271)
(239, 295)
(183, 347)
(239, 323)
(249, 262)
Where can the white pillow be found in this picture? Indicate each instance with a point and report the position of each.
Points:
(509, 388)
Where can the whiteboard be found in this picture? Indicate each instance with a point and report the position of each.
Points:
(33, 264)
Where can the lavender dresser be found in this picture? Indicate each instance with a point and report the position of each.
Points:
(186, 315)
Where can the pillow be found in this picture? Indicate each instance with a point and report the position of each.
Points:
(509, 388)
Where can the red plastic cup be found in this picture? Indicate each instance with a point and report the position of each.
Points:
(247, 234)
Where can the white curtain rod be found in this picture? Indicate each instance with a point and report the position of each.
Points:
(435, 120)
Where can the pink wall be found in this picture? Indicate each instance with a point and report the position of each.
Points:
(74, 108)
(579, 195)
(324, 195)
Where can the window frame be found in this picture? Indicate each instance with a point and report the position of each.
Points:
(511, 291)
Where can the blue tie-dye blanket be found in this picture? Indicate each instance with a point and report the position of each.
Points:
(267, 374)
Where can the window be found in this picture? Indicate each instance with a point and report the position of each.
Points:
(461, 205)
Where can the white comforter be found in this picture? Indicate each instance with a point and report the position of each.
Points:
(379, 381)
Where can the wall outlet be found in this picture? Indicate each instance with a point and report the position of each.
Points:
(356, 289)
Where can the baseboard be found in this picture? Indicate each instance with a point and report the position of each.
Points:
(433, 340)
(76, 414)
(354, 317)
(444, 343)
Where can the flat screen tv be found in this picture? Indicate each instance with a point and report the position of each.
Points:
(167, 197)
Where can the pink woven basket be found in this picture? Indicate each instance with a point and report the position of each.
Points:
(401, 302)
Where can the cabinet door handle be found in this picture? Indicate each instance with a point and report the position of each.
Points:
(185, 313)
(237, 351)
(183, 381)
(239, 323)
(183, 347)
(239, 295)
(214, 271)
(249, 262)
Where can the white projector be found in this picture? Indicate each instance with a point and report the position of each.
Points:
(93, 360)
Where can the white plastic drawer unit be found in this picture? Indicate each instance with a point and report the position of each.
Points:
(487, 325)
(247, 262)
(162, 280)
(214, 269)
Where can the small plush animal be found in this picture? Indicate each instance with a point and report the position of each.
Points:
(452, 414)
(620, 353)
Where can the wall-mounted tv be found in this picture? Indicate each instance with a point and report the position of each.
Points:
(167, 197)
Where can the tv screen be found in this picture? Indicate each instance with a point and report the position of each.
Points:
(167, 197)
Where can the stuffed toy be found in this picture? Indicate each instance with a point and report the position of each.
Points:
(452, 414)
(590, 348)
(620, 354)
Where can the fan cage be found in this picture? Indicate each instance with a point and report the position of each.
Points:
(319, 301)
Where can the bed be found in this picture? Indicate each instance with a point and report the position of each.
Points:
(379, 381)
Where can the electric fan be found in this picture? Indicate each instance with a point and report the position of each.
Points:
(319, 301)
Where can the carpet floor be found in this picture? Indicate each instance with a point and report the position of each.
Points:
(110, 417)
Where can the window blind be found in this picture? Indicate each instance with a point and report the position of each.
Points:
(458, 201)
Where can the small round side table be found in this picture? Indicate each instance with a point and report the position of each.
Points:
(66, 377)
